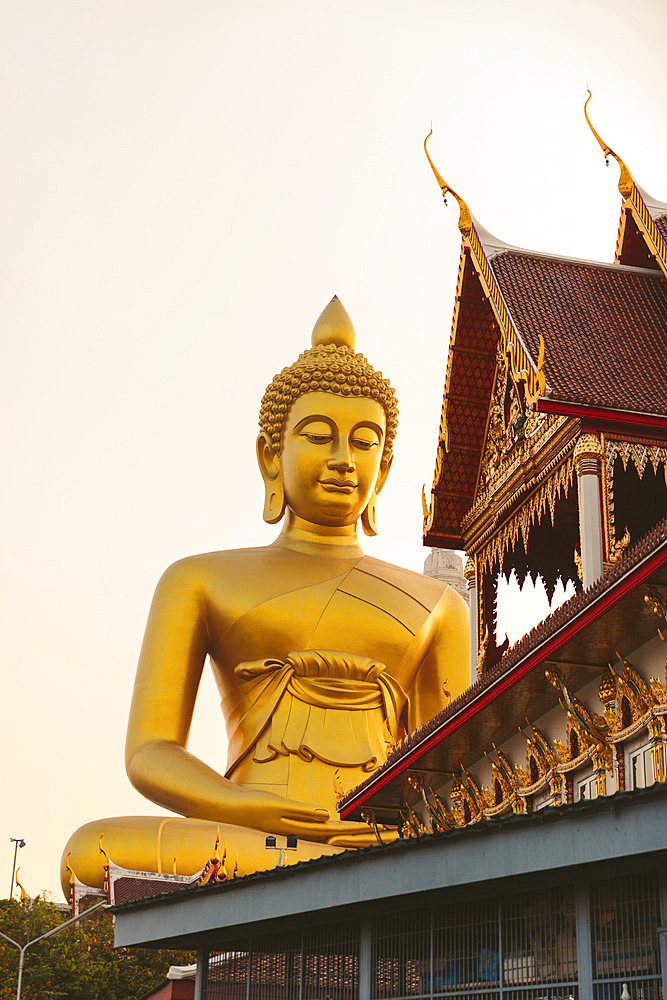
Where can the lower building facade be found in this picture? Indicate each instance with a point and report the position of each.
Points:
(568, 902)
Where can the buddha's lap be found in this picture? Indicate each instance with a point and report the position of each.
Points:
(297, 778)
(151, 843)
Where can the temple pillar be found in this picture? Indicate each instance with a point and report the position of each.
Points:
(470, 574)
(588, 456)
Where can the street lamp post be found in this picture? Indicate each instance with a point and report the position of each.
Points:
(17, 842)
(54, 930)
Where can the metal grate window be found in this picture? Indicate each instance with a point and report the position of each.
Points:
(539, 942)
(315, 964)
(401, 956)
(517, 946)
(227, 975)
(466, 956)
(625, 914)
(331, 962)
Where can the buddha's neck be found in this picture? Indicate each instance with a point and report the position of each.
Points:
(319, 539)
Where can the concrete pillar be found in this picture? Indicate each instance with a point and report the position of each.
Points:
(470, 575)
(588, 463)
(584, 940)
(662, 929)
(365, 957)
(201, 977)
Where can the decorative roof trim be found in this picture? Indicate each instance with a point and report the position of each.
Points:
(523, 368)
(646, 226)
(600, 415)
(637, 201)
(429, 509)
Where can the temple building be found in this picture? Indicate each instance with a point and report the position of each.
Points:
(532, 809)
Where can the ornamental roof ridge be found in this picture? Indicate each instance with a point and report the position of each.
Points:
(656, 208)
(493, 245)
(585, 261)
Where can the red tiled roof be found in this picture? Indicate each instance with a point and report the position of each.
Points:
(473, 366)
(661, 226)
(605, 328)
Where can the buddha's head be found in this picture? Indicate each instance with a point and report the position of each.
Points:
(328, 424)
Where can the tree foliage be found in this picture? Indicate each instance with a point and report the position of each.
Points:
(78, 963)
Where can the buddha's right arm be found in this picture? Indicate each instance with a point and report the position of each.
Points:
(158, 764)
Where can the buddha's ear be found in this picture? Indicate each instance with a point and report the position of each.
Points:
(368, 516)
(385, 466)
(269, 466)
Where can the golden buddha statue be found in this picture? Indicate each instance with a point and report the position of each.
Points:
(319, 652)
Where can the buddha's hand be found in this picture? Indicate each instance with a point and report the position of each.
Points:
(274, 814)
(339, 833)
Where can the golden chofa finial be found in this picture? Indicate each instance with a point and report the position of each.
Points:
(21, 887)
(465, 218)
(625, 182)
(334, 326)
(69, 868)
(102, 851)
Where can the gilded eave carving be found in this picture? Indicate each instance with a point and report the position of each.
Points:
(632, 706)
(521, 452)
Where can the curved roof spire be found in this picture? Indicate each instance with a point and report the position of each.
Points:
(465, 218)
(625, 181)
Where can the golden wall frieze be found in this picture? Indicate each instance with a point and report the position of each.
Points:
(567, 762)
(531, 511)
(507, 499)
(410, 824)
(440, 817)
(638, 726)
(503, 808)
(632, 686)
(656, 601)
(526, 790)
(642, 452)
(512, 482)
(616, 549)
(525, 464)
(587, 732)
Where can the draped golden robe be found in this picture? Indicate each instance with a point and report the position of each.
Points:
(330, 661)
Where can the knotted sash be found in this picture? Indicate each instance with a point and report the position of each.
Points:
(316, 703)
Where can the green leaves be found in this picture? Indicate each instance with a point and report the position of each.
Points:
(80, 963)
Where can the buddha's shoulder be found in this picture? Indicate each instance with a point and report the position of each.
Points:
(206, 567)
(424, 590)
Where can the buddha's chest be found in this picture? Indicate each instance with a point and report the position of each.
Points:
(354, 613)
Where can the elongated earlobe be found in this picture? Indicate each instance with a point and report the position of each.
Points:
(274, 494)
(368, 516)
(368, 519)
(274, 501)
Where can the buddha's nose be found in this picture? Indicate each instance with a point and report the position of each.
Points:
(341, 459)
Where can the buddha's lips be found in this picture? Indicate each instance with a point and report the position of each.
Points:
(336, 486)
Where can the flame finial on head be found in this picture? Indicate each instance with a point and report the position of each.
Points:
(334, 326)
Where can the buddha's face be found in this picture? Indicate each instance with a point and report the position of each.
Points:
(331, 456)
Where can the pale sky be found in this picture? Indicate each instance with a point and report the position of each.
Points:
(185, 186)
